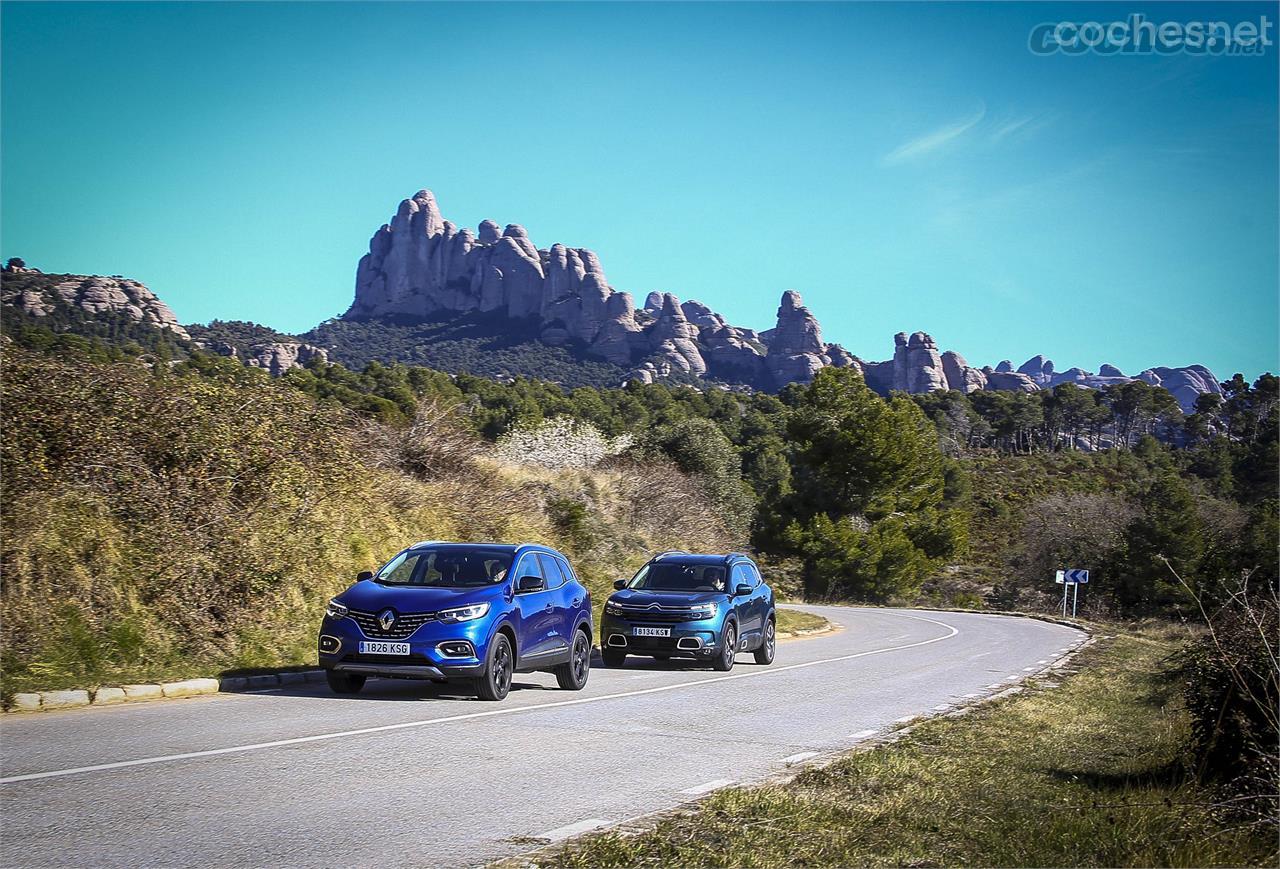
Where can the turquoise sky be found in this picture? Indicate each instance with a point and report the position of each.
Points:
(905, 167)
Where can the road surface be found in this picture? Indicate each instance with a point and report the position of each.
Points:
(408, 774)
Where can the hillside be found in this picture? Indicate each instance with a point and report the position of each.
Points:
(181, 524)
(485, 345)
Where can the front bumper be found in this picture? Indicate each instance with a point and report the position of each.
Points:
(339, 650)
(691, 639)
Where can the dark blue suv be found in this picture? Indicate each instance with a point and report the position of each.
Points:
(472, 612)
(706, 607)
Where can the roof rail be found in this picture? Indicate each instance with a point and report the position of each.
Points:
(671, 552)
(427, 543)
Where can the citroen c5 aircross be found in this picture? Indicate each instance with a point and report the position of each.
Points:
(461, 612)
(706, 607)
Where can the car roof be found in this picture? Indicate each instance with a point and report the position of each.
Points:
(699, 558)
(511, 548)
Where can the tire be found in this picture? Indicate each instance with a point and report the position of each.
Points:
(764, 654)
(496, 681)
(613, 657)
(573, 675)
(728, 651)
(344, 683)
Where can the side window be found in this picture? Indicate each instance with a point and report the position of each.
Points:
(755, 576)
(740, 576)
(551, 571)
(528, 566)
(565, 569)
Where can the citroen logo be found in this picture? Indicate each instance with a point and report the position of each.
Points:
(386, 618)
(654, 606)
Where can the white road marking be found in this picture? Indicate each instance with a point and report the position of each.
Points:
(942, 707)
(994, 687)
(470, 716)
(906, 720)
(971, 696)
(796, 758)
(1042, 662)
(559, 834)
(1028, 669)
(1012, 678)
(863, 734)
(713, 785)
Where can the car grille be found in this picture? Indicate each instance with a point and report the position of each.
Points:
(661, 616)
(405, 624)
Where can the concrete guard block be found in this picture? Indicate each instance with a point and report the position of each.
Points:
(25, 703)
(190, 687)
(143, 692)
(63, 699)
(108, 696)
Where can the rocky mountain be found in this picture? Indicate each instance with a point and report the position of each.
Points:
(421, 266)
(494, 304)
(63, 298)
(39, 295)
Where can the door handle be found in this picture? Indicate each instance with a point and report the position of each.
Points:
(550, 608)
(577, 601)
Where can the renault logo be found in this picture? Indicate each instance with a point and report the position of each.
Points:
(386, 618)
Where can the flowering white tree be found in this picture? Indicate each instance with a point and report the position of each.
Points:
(559, 443)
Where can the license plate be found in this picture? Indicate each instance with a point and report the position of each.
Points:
(373, 648)
(651, 632)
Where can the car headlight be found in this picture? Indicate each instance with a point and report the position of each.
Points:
(705, 611)
(613, 609)
(464, 613)
(335, 610)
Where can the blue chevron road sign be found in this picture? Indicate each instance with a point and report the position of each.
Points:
(1080, 576)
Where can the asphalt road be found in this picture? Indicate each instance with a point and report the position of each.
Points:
(407, 774)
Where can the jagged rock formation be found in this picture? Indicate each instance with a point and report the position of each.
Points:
(275, 357)
(91, 294)
(1186, 384)
(960, 375)
(421, 264)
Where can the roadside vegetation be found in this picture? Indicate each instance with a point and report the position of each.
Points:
(1099, 771)
(177, 523)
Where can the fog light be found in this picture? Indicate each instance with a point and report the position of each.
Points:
(330, 645)
(456, 649)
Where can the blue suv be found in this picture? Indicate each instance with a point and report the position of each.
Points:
(706, 607)
(471, 612)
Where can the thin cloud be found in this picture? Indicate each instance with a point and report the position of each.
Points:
(1023, 127)
(1009, 129)
(932, 141)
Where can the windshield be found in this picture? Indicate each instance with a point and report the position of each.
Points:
(679, 577)
(454, 567)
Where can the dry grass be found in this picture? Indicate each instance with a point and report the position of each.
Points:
(1088, 774)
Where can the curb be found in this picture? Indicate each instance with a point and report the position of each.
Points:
(48, 701)
(42, 701)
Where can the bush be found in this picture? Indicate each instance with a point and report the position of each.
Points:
(1232, 694)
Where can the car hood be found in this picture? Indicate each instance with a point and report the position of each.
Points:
(373, 596)
(635, 597)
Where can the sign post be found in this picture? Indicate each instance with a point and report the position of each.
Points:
(1072, 579)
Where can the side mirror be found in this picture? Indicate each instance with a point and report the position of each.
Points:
(619, 584)
(743, 589)
(529, 582)
(363, 575)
